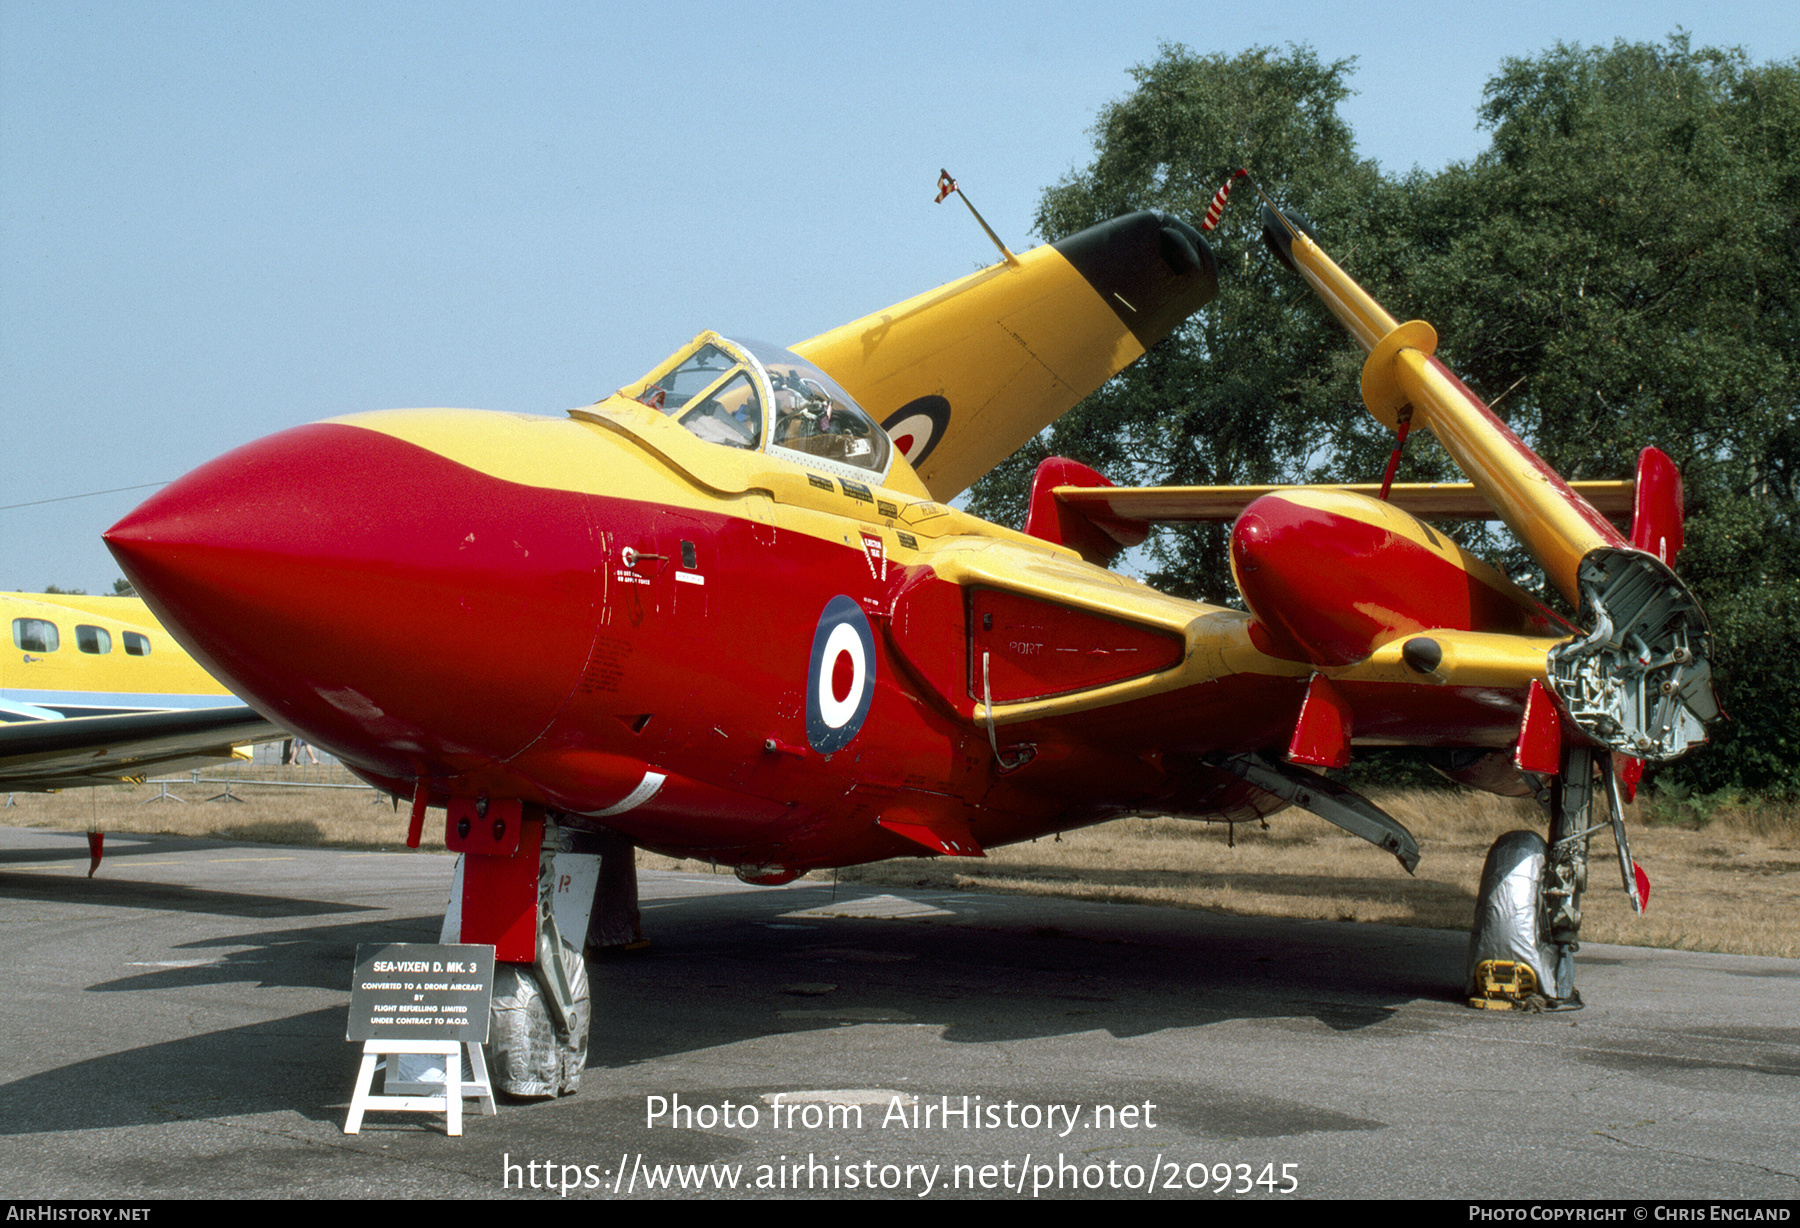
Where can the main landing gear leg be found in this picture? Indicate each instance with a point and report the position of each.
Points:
(1566, 869)
(1528, 910)
(615, 923)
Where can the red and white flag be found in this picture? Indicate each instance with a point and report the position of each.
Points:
(946, 185)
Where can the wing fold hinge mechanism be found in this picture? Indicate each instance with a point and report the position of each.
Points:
(1641, 682)
(1329, 800)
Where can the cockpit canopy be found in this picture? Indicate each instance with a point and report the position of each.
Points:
(747, 394)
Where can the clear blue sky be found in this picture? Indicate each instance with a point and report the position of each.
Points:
(220, 220)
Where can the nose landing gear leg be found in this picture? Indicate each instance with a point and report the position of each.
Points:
(537, 1040)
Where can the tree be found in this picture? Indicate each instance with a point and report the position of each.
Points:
(1620, 268)
(1622, 263)
(1239, 392)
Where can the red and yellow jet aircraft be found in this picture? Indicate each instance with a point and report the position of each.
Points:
(727, 613)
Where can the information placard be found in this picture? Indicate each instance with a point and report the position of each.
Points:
(420, 991)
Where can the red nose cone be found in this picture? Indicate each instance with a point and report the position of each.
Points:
(409, 612)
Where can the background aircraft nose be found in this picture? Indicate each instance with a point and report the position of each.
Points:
(400, 608)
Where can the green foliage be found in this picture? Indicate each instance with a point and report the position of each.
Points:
(1620, 268)
(1623, 261)
(66, 592)
(1239, 393)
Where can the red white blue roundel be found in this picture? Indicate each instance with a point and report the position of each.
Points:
(840, 680)
(917, 426)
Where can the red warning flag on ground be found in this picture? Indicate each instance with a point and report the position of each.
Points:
(1218, 201)
(96, 849)
(946, 185)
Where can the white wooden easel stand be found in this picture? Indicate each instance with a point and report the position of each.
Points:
(450, 1103)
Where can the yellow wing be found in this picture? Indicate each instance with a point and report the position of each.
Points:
(962, 376)
(1431, 500)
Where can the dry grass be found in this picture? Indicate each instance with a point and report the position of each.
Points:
(1722, 880)
(1725, 886)
(306, 805)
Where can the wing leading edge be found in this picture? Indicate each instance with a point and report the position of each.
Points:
(95, 750)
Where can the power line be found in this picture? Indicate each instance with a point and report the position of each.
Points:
(6, 507)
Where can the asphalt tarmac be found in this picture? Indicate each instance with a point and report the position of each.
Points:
(177, 1029)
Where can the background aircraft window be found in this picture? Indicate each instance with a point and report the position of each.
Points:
(35, 635)
(731, 415)
(136, 645)
(93, 639)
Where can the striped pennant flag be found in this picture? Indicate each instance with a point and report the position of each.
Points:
(1218, 201)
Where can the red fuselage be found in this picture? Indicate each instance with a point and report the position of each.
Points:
(639, 651)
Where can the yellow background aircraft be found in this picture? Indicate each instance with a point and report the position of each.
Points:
(93, 690)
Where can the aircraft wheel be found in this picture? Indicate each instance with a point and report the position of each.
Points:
(529, 1058)
(1511, 966)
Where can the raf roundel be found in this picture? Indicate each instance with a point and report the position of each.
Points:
(917, 426)
(840, 679)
